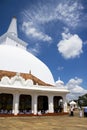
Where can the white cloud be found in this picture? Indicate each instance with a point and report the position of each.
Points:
(36, 17)
(75, 88)
(60, 68)
(66, 11)
(32, 31)
(35, 50)
(70, 46)
(69, 12)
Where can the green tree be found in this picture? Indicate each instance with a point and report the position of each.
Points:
(82, 100)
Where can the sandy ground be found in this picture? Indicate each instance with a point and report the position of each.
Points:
(64, 122)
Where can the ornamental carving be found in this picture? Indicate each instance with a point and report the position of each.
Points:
(16, 81)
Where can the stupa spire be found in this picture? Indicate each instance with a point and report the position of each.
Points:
(13, 27)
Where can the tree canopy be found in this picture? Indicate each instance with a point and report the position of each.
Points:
(82, 100)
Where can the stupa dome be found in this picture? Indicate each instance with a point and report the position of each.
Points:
(14, 56)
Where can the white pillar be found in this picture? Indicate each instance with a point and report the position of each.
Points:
(34, 104)
(65, 104)
(51, 105)
(15, 104)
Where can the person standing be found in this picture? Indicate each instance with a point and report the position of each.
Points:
(85, 111)
(71, 111)
(80, 112)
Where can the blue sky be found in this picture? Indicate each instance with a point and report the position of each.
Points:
(56, 32)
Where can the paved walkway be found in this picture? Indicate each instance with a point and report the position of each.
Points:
(44, 123)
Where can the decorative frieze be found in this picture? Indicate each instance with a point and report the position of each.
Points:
(16, 81)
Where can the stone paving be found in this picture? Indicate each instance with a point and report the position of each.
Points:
(64, 122)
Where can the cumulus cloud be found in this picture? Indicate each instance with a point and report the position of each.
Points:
(70, 46)
(75, 88)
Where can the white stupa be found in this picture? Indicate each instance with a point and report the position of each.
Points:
(16, 58)
(25, 80)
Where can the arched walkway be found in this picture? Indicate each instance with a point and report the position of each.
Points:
(25, 104)
(58, 104)
(6, 103)
(42, 104)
